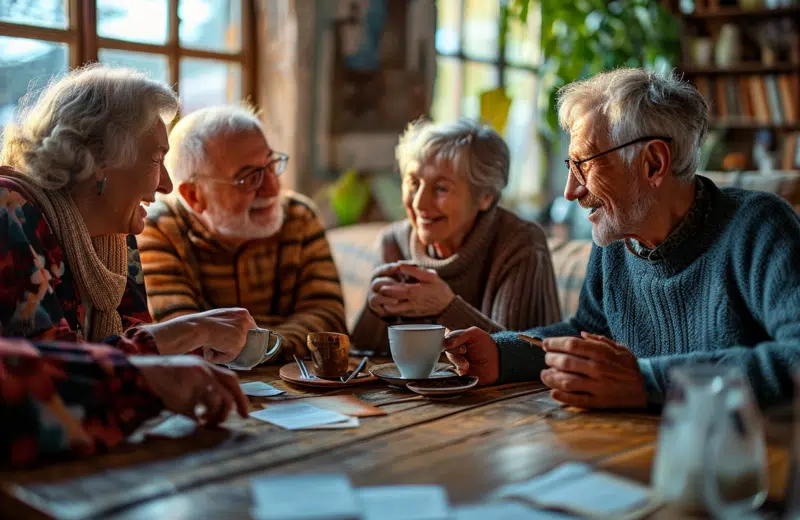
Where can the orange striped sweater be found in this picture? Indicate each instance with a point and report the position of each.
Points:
(288, 282)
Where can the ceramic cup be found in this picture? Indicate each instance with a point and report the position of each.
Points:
(416, 348)
(330, 353)
(262, 345)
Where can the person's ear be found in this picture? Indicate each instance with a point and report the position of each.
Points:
(657, 158)
(193, 196)
(485, 201)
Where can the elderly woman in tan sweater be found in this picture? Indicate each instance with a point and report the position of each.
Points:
(458, 259)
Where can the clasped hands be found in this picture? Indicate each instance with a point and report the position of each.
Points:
(589, 371)
(404, 289)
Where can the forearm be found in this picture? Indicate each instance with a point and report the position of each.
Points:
(768, 366)
(67, 399)
(521, 361)
(178, 335)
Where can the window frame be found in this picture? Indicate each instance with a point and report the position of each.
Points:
(84, 43)
(501, 64)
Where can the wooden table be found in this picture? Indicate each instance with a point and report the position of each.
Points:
(470, 445)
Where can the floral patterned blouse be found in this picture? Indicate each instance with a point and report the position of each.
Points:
(60, 399)
(38, 296)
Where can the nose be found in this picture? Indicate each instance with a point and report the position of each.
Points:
(270, 186)
(164, 182)
(574, 190)
(421, 199)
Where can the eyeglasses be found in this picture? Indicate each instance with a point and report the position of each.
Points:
(574, 167)
(253, 180)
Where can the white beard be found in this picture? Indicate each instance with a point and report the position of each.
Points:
(608, 230)
(240, 225)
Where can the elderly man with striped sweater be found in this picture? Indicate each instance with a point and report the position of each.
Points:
(228, 237)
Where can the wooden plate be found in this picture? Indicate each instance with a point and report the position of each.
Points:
(443, 387)
(391, 374)
(291, 374)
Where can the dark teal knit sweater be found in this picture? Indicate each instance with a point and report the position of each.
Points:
(729, 294)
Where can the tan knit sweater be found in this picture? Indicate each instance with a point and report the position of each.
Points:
(502, 277)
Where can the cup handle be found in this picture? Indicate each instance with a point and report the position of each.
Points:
(270, 355)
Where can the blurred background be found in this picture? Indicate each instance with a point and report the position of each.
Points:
(336, 81)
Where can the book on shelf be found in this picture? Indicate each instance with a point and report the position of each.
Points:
(769, 99)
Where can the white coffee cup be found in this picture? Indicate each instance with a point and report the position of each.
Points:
(416, 348)
(262, 345)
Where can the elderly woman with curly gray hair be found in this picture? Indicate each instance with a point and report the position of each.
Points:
(80, 161)
(459, 259)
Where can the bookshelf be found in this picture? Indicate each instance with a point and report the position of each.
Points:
(744, 57)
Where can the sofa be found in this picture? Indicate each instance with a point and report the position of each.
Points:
(355, 251)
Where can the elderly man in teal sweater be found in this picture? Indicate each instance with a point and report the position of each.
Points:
(681, 271)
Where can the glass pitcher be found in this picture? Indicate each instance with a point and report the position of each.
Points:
(711, 455)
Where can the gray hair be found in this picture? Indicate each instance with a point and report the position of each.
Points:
(473, 150)
(187, 156)
(91, 117)
(638, 103)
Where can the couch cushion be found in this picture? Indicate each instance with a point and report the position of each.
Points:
(355, 251)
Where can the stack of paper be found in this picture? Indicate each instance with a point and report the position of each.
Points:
(330, 496)
(304, 497)
(576, 488)
(404, 503)
(300, 416)
(506, 511)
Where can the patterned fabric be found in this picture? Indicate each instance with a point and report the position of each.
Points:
(288, 282)
(38, 296)
(59, 399)
(691, 223)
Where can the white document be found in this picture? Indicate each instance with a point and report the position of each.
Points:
(404, 503)
(295, 416)
(303, 497)
(351, 422)
(260, 389)
(175, 427)
(506, 511)
(577, 488)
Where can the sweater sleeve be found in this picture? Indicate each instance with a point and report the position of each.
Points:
(369, 331)
(765, 254)
(58, 399)
(519, 361)
(320, 305)
(526, 297)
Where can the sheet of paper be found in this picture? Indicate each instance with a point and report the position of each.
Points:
(352, 422)
(347, 405)
(403, 503)
(303, 497)
(260, 389)
(295, 416)
(174, 427)
(576, 487)
(506, 511)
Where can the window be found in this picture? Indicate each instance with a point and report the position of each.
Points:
(203, 48)
(472, 58)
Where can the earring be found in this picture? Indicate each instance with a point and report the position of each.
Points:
(101, 186)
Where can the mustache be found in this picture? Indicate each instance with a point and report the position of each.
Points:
(263, 203)
(590, 200)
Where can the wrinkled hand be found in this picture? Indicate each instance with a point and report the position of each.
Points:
(474, 352)
(425, 295)
(225, 332)
(593, 372)
(193, 387)
(382, 276)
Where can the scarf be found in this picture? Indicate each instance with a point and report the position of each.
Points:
(99, 265)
